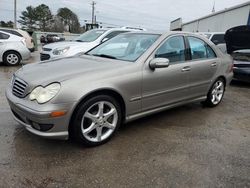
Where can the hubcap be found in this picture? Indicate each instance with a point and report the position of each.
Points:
(217, 92)
(12, 59)
(99, 121)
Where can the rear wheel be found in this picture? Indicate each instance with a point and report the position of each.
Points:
(96, 120)
(11, 58)
(216, 93)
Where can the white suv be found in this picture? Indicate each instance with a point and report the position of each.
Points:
(83, 43)
(218, 39)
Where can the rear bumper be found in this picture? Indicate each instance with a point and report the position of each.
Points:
(242, 74)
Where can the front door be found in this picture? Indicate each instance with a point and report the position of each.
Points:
(164, 86)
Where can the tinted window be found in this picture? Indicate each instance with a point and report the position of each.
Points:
(172, 49)
(113, 34)
(199, 49)
(218, 39)
(12, 32)
(4, 36)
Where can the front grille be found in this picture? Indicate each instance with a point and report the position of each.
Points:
(44, 57)
(47, 49)
(19, 87)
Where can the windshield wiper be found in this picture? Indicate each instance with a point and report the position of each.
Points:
(79, 40)
(104, 55)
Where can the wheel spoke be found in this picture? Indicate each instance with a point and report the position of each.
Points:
(100, 109)
(109, 114)
(109, 125)
(220, 92)
(89, 129)
(99, 133)
(90, 116)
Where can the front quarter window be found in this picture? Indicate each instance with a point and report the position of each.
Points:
(127, 47)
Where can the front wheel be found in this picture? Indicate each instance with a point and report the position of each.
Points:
(216, 93)
(96, 120)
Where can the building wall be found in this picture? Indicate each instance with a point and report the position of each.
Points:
(220, 22)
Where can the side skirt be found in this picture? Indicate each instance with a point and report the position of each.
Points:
(162, 108)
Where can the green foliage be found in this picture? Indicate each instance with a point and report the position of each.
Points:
(41, 18)
(28, 18)
(6, 24)
(69, 18)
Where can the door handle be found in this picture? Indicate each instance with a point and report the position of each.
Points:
(214, 64)
(185, 69)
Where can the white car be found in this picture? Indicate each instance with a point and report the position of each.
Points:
(217, 38)
(83, 43)
(12, 49)
(21, 33)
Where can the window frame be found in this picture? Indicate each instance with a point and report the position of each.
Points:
(189, 49)
(165, 40)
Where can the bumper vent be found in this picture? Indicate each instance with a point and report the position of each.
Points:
(44, 57)
(19, 87)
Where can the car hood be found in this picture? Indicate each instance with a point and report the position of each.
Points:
(44, 73)
(66, 44)
(238, 38)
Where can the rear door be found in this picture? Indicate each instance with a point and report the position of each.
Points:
(203, 66)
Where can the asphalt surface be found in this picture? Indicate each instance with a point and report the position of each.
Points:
(189, 146)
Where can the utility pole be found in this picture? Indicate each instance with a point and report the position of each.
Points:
(93, 11)
(213, 10)
(15, 25)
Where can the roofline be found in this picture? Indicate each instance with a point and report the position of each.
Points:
(219, 12)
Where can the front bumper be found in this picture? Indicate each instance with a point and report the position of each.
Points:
(242, 74)
(30, 116)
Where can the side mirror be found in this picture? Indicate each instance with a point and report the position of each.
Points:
(159, 63)
(105, 39)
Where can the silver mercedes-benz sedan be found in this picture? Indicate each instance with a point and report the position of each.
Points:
(88, 97)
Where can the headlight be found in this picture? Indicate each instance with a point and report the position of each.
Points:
(60, 51)
(44, 94)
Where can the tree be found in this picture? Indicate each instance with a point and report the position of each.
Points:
(43, 17)
(6, 24)
(70, 19)
(28, 18)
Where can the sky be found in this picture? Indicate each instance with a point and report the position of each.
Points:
(150, 14)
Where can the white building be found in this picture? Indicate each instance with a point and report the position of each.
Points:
(219, 21)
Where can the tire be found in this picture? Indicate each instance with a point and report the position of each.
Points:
(96, 121)
(216, 93)
(11, 58)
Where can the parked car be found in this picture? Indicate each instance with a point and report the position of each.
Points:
(218, 39)
(50, 38)
(12, 49)
(238, 45)
(21, 33)
(83, 43)
(89, 96)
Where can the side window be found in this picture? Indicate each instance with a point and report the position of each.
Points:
(218, 39)
(4, 36)
(210, 52)
(113, 34)
(172, 49)
(199, 49)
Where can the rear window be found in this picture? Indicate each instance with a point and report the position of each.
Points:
(4, 36)
(218, 39)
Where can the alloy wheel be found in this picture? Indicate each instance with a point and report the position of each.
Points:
(99, 121)
(217, 92)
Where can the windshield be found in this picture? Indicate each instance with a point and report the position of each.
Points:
(127, 47)
(90, 36)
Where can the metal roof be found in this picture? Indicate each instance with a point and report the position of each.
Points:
(219, 12)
